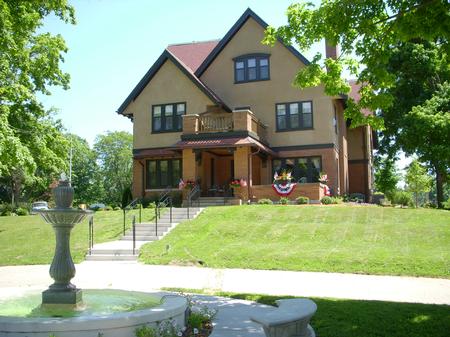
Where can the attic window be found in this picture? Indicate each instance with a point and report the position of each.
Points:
(251, 67)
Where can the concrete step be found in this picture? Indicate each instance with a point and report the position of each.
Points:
(107, 257)
(141, 237)
(146, 232)
(114, 251)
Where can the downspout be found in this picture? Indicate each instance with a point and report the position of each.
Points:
(250, 170)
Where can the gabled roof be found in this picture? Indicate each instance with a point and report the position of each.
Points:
(194, 53)
(228, 36)
(194, 58)
(167, 55)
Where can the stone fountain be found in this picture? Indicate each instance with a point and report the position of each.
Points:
(63, 218)
(62, 310)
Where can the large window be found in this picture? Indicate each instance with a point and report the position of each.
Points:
(168, 117)
(249, 68)
(163, 173)
(294, 116)
(303, 169)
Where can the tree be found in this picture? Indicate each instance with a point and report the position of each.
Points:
(404, 48)
(31, 142)
(420, 69)
(368, 30)
(114, 154)
(417, 180)
(386, 176)
(430, 135)
(86, 176)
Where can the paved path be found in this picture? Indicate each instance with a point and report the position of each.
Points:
(131, 275)
(233, 316)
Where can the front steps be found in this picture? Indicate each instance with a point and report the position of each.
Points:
(122, 250)
(216, 201)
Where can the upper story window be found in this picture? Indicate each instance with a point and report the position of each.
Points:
(168, 117)
(252, 67)
(294, 116)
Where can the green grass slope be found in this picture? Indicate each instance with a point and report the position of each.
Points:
(369, 240)
(29, 240)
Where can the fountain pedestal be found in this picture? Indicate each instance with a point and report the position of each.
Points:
(63, 218)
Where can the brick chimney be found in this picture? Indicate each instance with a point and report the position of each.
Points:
(331, 51)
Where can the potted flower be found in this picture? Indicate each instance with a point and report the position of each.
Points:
(235, 183)
(189, 184)
(323, 178)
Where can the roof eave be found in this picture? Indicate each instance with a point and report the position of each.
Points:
(229, 35)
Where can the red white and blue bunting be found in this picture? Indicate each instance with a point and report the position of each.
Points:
(283, 189)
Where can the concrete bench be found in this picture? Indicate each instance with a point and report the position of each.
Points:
(289, 319)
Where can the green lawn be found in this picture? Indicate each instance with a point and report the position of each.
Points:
(369, 240)
(352, 318)
(29, 240)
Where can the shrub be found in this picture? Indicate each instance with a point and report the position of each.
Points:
(385, 202)
(265, 202)
(402, 198)
(117, 208)
(302, 200)
(336, 200)
(145, 331)
(326, 200)
(284, 201)
(446, 204)
(5, 210)
(196, 320)
(21, 211)
(429, 204)
(108, 208)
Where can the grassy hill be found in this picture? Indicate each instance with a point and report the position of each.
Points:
(369, 240)
(29, 240)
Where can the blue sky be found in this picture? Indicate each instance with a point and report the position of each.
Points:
(115, 42)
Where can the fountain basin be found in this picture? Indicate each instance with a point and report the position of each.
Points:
(116, 321)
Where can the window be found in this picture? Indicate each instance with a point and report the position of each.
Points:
(294, 116)
(335, 122)
(303, 169)
(168, 117)
(163, 173)
(249, 68)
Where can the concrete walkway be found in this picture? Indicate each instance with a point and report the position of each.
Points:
(135, 276)
(233, 316)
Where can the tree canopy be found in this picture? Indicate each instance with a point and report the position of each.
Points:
(417, 180)
(114, 155)
(367, 31)
(32, 146)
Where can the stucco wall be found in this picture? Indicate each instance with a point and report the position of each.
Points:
(169, 85)
(262, 96)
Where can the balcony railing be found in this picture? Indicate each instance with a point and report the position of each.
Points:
(210, 123)
(240, 120)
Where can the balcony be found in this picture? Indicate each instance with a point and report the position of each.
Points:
(222, 122)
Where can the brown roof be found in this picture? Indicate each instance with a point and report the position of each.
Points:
(354, 93)
(192, 54)
(222, 142)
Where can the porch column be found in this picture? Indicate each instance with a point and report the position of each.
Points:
(242, 169)
(189, 165)
(138, 189)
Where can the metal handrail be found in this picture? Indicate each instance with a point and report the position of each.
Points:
(129, 207)
(165, 200)
(134, 234)
(91, 234)
(194, 193)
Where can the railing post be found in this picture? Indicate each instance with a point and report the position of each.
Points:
(156, 218)
(140, 212)
(134, 234)
(91, 234)
(124, 221)
(171, 205)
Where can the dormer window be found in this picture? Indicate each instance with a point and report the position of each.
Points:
(251, 67)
